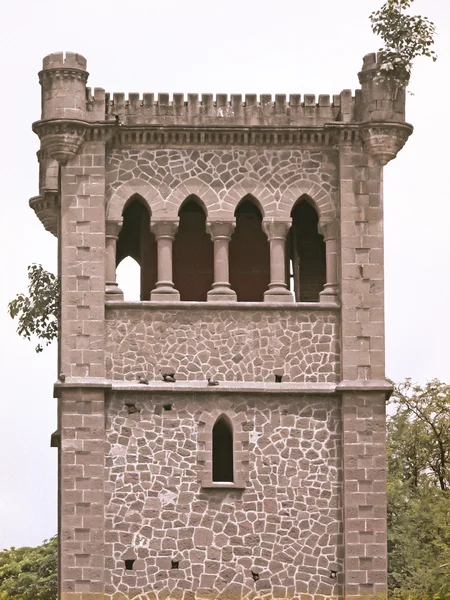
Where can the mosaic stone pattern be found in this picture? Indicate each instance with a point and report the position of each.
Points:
(232, 345)
(285, 527)
(266, 173)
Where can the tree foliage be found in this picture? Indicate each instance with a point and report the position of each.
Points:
(405, 38)
(29, 573)
(38, 311)
(419, 492)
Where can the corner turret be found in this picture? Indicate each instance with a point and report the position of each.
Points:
(382, 112)
(63, 115)
(63, 80)
(379, 101)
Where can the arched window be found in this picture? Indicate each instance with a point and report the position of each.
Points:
(306, 254)
(222, 451)
(249, 254)
(128, 277)
(193, 253)
(136, 240)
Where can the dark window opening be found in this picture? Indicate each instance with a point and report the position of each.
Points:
(306, 257)
(175, 564)
(193, 253)
(222, 451)
(249, 254)
(136, 240)
(129, 562)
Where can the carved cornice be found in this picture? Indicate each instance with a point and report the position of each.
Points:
(383, 141)
(62, 73)
(46, 208)
(61, 138)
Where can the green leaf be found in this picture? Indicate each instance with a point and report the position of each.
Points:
(38, 312)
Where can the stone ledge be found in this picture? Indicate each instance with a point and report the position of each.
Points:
(222, 485)
(233, 387)
(374, 385)
(180, 305)
(80, 382)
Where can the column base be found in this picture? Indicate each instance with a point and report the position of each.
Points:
(329, 294)
(221, 292)
(278, 292)
(165, 291)
(113, 291)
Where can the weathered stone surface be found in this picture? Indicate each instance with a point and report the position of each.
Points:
(236, 345)
(222, 177)
(286, 525)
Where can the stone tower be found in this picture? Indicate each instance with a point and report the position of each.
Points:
(258, 227)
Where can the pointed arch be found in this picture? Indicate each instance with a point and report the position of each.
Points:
(249, 253)
(192, 187)
(222, 450)
(136, 240)
(306, 251)
(207, 419)
(193, 252)
(323, 201)
(260, 194)
(150, 197)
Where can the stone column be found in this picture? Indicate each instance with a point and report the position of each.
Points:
(164, 233)
(220, 232)
(113, 292)
(276, 232)
(329, 230)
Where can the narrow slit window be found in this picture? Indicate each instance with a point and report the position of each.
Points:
(222, 451)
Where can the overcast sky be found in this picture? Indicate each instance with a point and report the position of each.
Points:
(204, 46)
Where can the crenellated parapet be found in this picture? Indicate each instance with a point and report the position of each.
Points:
(222, 110)
(72, 113)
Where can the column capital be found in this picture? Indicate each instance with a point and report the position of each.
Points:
(220, 229)
(164, 229)
(276, 229)
(329, 229)
(113, 228)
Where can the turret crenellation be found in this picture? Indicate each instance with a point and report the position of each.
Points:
(67, 60)
(379, 101)
(63, 80)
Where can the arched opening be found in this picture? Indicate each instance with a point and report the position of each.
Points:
(128, 277)
(136, 240)
(306, 254)
(249, 253)
(193, 253)
(222, 450)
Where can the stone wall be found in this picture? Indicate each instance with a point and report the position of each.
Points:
(285, 526)
(232, 343)
(221, 178)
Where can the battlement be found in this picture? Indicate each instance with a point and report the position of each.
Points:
(370, 61)
(65, 95)
(248, 109)
(67, 60)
